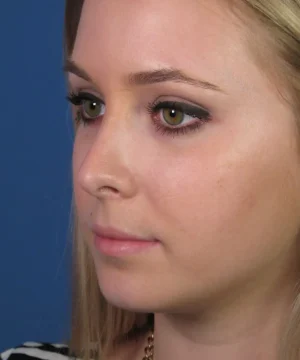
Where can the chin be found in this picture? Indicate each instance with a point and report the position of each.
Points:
(127, 292)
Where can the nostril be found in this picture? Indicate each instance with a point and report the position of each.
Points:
(108, 189)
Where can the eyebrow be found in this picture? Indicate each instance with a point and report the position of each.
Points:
(147, 77)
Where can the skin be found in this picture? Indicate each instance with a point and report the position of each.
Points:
(223, 200)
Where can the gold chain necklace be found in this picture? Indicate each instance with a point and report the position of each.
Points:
(149, 349)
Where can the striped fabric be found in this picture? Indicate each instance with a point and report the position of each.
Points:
(37, 351)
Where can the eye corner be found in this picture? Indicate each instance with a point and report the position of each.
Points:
(73, 98)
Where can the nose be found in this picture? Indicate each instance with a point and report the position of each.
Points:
(105, 171)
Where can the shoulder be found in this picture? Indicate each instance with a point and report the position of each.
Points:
(37, 351)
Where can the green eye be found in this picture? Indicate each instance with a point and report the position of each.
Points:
(173, 117)
(91, 108)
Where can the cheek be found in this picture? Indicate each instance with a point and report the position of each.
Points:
(200, 194)
(209, 206)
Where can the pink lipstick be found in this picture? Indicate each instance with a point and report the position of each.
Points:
(113, 242)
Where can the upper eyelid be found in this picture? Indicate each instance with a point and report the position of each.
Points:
(87, 95)
(157, 104)
(184, 105)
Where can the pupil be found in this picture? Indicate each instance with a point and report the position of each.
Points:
(173, 113)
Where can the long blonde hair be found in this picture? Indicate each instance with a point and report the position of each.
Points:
(99, 327)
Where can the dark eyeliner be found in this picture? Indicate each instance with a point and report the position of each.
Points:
(190, 110)
(198, 113)
(77, 99)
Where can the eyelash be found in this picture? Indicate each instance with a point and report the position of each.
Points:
(199, 113)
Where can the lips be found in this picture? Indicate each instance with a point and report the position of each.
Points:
(116, 234)
(114, 242)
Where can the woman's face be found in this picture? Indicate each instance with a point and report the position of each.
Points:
(222, 198)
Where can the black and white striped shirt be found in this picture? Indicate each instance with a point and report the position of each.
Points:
(37, 351)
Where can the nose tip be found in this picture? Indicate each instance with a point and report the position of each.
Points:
(108, 180)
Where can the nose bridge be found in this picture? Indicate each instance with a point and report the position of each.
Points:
(106, 167)
(114, 133)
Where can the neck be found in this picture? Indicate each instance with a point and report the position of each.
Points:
(257, 337)
(251, 328)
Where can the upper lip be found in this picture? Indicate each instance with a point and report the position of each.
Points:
(113, 233)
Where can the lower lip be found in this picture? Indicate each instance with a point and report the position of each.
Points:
(113, 247)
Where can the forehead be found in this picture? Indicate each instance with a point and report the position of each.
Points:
(118, 36)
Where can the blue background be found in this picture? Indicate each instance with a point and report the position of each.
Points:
(36, 138)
